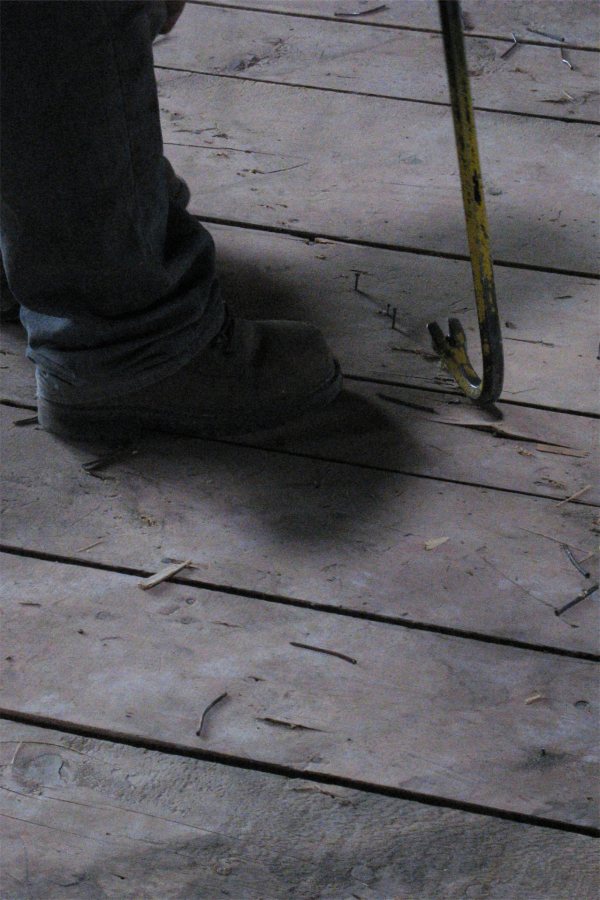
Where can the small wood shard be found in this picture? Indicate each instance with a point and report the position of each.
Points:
(550, 538)
(561, 451)
(491, 428)
(163, 575)
(417, 351)
(435, 542)
(210, 706)
(96, 465)
(190, 563)
(281, 723)
(30, 420)
(408, 403)
(575, 562)
(343, 656)
(552, 482)
(576, 495)
(528, 341)
(582, 596)
(89, 546)
(534, 698)
(362, 12)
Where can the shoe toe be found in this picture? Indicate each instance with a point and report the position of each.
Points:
(300, 362)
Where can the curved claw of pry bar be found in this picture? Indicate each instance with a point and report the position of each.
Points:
(453, 347)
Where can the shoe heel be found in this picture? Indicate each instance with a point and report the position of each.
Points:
(81, 424)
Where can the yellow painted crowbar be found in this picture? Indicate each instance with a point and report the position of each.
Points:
(453, 347)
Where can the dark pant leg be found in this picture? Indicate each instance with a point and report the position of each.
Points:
(116, 282)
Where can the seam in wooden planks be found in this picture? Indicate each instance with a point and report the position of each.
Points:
(253, 824)
(275, 275)
(191, 581)
(375, 63)
(566, 471)
(377, 96)
(352, 537)
(432, 27)
(313, 236)
(420, 713)
(280, 167)
(170, 748)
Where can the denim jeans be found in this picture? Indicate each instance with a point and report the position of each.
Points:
(115, 279)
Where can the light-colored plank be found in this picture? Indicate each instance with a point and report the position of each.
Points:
(441, 716)
(320, 532)
(576, 20)
(405, 64)
(411, 431)
(116, 821)
(380, 170)
(550, 347)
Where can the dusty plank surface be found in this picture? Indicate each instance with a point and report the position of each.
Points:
(405, 64)
(410, 431)
(320, 532)
(378, 169)
(551, 340)
(103, 819)
(576, 20)
(438, 715)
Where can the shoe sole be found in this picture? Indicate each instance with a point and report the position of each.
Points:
(124, 423)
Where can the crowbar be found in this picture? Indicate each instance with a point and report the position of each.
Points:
(452, 348)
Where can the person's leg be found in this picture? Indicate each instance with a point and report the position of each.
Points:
(115, 282)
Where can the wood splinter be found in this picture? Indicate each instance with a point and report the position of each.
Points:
(339, 655)
(210, 706)
(582, 596)
(281, 723)
(576, 495)
(163, 575)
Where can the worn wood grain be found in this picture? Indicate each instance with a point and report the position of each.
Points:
(551, 340)
(315, 531)
(403, 64)
(427, 713)
(378, 169)
(577, 20)
(410, 430)
(104, 819)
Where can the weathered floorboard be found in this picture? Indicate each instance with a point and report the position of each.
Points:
(551, 341)
(104, 819)
(408, 430)
(319, 532)
(576, 20)
(404, 64)
(381, 170)
(421, 712)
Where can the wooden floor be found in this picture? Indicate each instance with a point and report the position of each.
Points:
(375, 588)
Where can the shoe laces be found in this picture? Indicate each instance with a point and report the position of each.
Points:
(222, 341)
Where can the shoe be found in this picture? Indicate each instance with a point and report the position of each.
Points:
(252, 375)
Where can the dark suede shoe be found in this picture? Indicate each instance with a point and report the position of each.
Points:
(252, 375)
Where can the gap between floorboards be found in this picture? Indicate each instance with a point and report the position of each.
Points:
(589, 48)
(411, 624)
(233, 442)
(313, 237)
(347, 91)
(173, 749)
